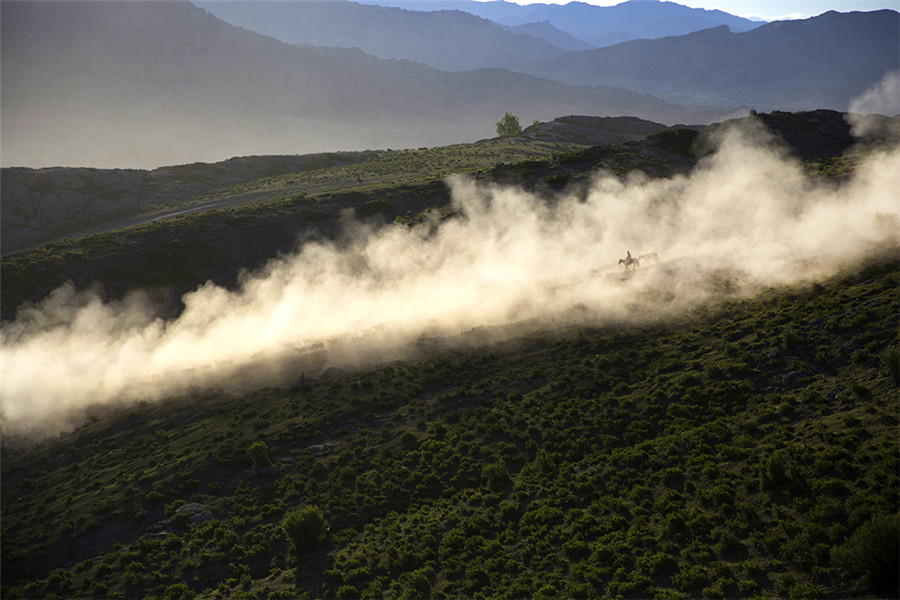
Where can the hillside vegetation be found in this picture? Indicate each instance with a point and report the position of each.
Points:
(747, 448)
(174, 228)
(43, 205)
(737, 453)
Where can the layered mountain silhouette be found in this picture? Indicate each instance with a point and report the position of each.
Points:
(546, 31)
(596, 25)
(142, 84)
(822, 62)
(450, 40)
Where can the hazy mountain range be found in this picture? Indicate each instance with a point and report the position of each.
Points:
(596, 25)
(448, 40)
(821, 62)
(142, 84)
(465, 35)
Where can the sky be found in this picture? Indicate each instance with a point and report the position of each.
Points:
(791, 9)
(768, 10)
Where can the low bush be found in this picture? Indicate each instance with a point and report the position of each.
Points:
(873, 553)
(259, 454)
(305, 528)
(495, 476)
(891, 361)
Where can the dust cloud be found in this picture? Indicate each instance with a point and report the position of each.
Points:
(745, 218)
(882, 99)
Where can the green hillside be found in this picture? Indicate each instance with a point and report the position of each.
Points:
(214, 230)
(747, 448)
(733, 454)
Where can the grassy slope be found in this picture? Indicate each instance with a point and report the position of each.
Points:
(176, 254)
(580, 464)
(241, 181)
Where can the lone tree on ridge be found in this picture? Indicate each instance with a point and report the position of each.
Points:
(508, 126)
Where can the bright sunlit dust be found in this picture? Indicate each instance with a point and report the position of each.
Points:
(744, 219)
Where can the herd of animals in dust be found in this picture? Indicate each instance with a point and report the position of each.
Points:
(633, 262)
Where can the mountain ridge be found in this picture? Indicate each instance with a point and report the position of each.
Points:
(834, 57)
(597, 25)
(166, 82)
(446, 40)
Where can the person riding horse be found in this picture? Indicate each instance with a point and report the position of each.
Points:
(629, 261)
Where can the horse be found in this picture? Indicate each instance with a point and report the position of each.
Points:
(634, 263)
(648, 256)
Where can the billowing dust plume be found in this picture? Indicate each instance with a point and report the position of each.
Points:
(746, 218)
(866, 111)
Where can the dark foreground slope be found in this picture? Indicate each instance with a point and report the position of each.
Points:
(748, 450)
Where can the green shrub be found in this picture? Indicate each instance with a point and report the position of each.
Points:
(347, 591)
(790, 337)
(495, 476)
(544, 463)
(557, 179)
(373, 207)
(690, 578)
(774, 474)
(802, 591)
(309, 214)
(153, 497)
(890, 358)
(177, 591)
(305, 528)
(259, 454)
(873, 553)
